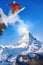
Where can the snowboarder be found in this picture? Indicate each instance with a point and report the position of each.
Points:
(15, 6)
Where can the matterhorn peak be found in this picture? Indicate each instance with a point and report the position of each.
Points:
(24, 37)
(27, 37)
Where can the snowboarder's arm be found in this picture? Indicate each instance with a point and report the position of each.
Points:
(11, 5)
(14, 5)
(18, 4)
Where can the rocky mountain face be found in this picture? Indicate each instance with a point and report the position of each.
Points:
(27, 60)
(2, 24)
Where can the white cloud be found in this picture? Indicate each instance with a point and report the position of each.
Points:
(22, 28)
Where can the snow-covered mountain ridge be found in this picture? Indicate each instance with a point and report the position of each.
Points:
(26, 45)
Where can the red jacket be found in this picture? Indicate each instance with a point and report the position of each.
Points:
(14, 5)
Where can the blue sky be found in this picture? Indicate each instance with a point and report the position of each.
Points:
(32, 15)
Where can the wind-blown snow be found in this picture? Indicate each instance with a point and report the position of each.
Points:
(6, 19)
(12, 19)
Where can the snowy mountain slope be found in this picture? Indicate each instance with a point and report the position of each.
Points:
(27, 44)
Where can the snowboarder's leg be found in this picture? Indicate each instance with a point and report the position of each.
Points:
(13, 10)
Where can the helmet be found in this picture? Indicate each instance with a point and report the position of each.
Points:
(14, 2)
